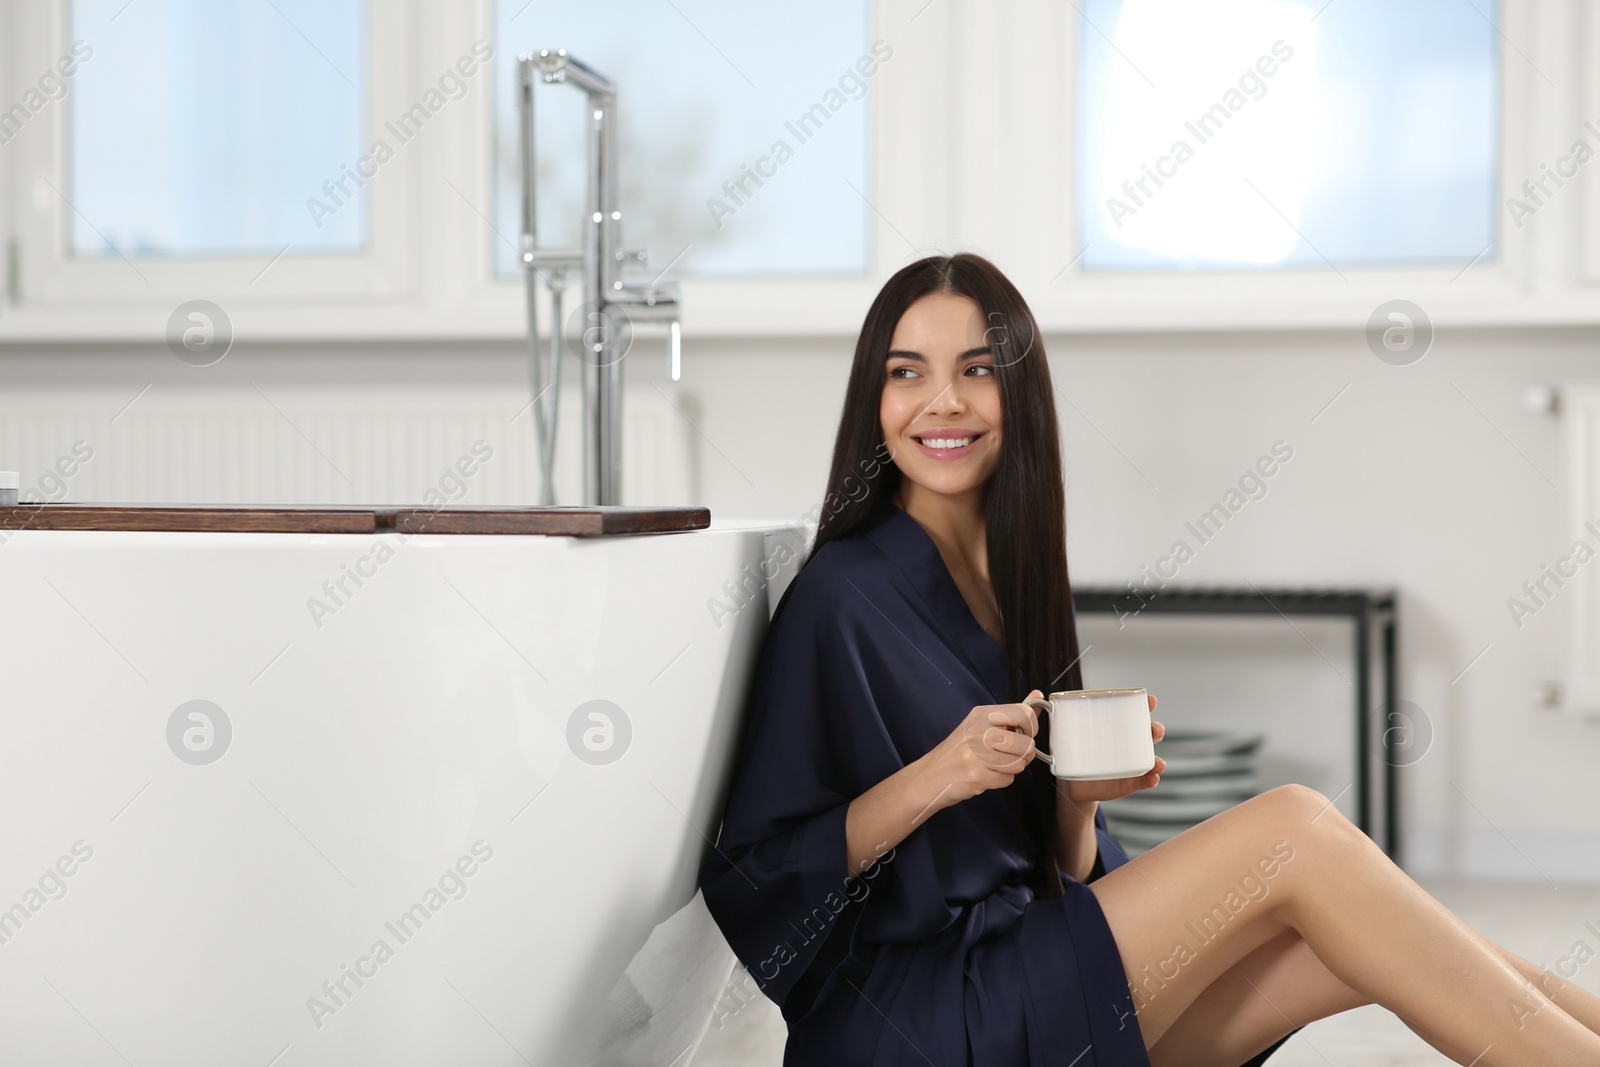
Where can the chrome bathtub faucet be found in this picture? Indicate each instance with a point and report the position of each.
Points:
(610, 305)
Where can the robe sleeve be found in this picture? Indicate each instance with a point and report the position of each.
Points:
(777, 878)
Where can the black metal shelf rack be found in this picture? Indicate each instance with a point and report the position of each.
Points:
(1373, 612)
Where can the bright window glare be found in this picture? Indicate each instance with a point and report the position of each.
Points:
(706, 91)
(202, 127)
(1257, 133)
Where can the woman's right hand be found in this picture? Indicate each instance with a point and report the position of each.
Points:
(986, 751)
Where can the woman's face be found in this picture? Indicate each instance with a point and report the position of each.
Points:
(940, 387)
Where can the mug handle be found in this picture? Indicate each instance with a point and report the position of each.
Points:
(1043, 705)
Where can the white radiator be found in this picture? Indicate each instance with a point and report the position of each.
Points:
(270, 444)
(1580, 407)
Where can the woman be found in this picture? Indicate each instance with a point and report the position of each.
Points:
(910, 886)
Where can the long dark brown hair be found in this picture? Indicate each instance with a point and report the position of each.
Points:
(1024, 498)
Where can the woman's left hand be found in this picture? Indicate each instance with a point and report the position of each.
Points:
(1115, 788)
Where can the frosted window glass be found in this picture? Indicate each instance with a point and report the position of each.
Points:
(704, 88)
(205, 127)
(1287, 133)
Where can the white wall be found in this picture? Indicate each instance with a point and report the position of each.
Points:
(1430, 477)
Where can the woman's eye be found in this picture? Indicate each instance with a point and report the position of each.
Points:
(986, 368)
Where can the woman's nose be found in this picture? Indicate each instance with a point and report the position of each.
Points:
(948, 398)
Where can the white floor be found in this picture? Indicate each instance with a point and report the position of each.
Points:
(1542, 923)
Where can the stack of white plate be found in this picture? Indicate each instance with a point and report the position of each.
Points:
(1207, 772)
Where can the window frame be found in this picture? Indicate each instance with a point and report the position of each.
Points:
(52, 278)
(1308, 298)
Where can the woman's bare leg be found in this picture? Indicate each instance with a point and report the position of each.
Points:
(1282, 986)
(1190, 909)
(1273, 990)
(1576, 1001)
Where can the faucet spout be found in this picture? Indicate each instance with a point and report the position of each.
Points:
(556, 66)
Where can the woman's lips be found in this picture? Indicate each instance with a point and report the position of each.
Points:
(948, 453)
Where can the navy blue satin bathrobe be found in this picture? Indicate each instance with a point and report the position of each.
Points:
(938, 954)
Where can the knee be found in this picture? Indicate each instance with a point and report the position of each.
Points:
(1295, 833)
(1300, 805)
(1298, 798)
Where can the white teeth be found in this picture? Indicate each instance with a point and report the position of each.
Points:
(946, 442)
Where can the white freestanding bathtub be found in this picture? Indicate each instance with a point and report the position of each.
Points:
(241, 828)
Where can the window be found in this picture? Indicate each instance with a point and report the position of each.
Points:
(1287, 133)
(205, 128)
(708, 94)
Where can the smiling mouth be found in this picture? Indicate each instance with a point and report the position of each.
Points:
(947, 441)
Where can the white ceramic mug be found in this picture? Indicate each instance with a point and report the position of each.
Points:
(1102, 733)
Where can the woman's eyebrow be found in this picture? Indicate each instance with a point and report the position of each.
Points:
(982, 350)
